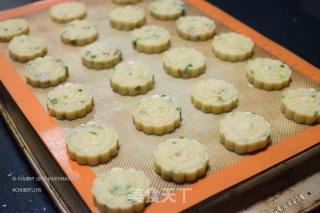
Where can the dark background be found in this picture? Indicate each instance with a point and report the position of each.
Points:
(295, 24)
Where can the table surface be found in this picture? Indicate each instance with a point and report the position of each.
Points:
(291, 23)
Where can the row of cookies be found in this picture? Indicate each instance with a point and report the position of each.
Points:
(177, 159)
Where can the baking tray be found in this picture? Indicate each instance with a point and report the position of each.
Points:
(226, 168)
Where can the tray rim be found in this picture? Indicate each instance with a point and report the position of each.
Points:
(224, 179)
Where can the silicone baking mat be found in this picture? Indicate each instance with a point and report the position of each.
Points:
(136, 148)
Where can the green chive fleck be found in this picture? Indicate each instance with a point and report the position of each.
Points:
(53, 101)
(282, 76)
(220, 99)
(66, 68)
(93, 133)
(186, 69)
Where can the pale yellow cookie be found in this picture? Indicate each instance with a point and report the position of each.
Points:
(13, 27)
(244, 132)
(68, 11)
(69, 101)
(91, 143)
(181, 160)
(100, 55)
(127, 17)
(232, 47)
(79, 32)
(157, 115)
(267, 73)
(132, 78)
(167, 9)
(46, 72)
(121, 190)
(195, 28)
(150, 39)
(24, 48)
(214, 96)
(301, 105)
(124, 2)
(184, 62)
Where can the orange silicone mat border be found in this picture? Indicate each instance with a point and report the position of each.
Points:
(82, 177)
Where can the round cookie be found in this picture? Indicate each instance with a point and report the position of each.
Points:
(195, 28)
(150, 39)
(69, 101)
(267, 73)
(301, 105)
(121, 190)
(131, 78)
(92, 144)
(124, 2)
(184, 62)
(127, 17)
(24, 48)
(68, 11)
(214, 96)
(244, 132)
(167, 9)
(157, 115)
(181, 160)
(79, 32)
(232, 47)
(46, 72)
(13, 27)
(100, 55)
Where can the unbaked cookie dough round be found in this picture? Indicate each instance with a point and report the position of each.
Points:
(267, 73)
(184, 62)
(100, 55)
(167, 9)
(301, 105)
(181, 160)
(214, 96)
(24, 48)
(244, 132)
(121, 190)
(132, 78)
(150, 39)
(127, 17)
(68, 11)
(124, 2)
(79, 32)
(46, 72)
(232, 46)
(13, 27)
(157, 115)
(195, 28)
(69, 101)
(91, 143)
